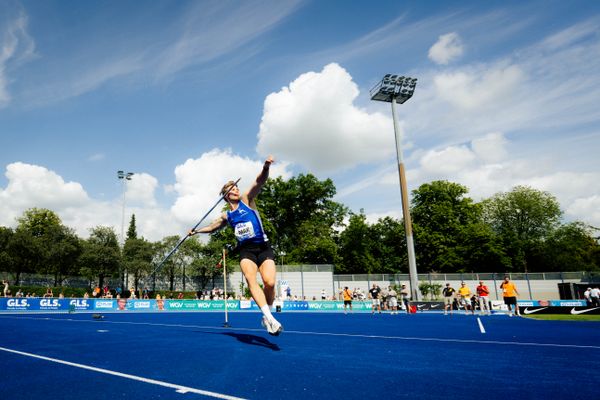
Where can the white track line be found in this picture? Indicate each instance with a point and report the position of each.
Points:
(178, 388)
(481, 328)
(410, 338)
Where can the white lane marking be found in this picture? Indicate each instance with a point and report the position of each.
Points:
(178, 388)
(422, 339)
(481, 328)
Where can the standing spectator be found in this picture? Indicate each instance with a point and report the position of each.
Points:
(132, 294)
(323, 294)
(405, 293)
(383, 298)
(588, 297)
(483, 292)
(19, 293)
(86, 295)
(595, 296)
(448, 293)
(180, 296)
(374, 294)
(6, 290)
(49, 293)
(465, 298)
(510, 293)
(145, 293)
(288, 292)
(392, 300)
(347, 296)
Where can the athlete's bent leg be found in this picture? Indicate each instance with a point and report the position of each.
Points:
(268, 272)
(249, 269)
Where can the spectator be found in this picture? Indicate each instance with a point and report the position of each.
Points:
(86, 295)
(448, 294)
(288, 293)
(383, 296)
(132, 293)
(392, 300)
(405, 293)
(19, 293)
(48, 293)
(347, 296)
(484, 298)
(587, 296)
(374, 294)
(510, 293)
(180, 296)
(323, 294)
(96, 292)
(61, 295)
(6, 290)
(465, 297)
(595, 296)
(145, 293)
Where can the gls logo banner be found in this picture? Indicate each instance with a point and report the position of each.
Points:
(49, 304)
(17, 304)
(80, 304)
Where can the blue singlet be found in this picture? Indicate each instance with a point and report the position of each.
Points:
(246, 224)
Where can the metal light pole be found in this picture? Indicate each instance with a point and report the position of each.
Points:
(398, 89)
(123, 176)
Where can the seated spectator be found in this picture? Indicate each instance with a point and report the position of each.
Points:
(61, 295)
(19, 293)
(86, 295)
(180, 296)
(48, 293)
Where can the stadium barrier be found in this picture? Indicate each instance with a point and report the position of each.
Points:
(30, 304)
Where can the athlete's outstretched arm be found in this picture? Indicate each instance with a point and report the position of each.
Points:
(213, 226)
(261, 179)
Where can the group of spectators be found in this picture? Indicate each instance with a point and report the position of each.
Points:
(480, 299)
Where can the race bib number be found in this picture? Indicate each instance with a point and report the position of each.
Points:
(244, 231)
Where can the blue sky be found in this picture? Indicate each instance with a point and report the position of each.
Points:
(188, 94)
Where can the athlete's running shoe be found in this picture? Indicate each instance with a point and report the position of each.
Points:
(273, 327)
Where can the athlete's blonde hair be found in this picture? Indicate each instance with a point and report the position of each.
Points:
(226, 187)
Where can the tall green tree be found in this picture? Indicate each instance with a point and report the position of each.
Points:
(137, 258)
(301, 211)
(523, 218)
(356, 243)
(132, 229)
(570, 247)
(450, 235)
(101, 255)
(58, 246)
(388, 245)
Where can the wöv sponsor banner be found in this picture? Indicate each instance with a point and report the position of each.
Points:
(201, 305)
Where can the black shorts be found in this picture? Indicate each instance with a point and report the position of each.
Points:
(257, 252)
(347, 302)
(510, 301)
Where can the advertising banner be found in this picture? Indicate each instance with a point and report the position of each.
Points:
(199, 305)
(560, 310)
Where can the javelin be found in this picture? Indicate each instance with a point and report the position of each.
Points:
(195, 226)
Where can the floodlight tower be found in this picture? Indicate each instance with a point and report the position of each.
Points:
(398, 89)
(123, 177)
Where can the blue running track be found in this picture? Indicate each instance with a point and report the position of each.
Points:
(319, 356)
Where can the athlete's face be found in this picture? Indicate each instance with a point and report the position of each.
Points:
(234, 193)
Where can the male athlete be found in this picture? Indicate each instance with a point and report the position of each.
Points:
(256, 254)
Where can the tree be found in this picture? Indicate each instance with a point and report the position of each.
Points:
(132, 230)
(101, 254)
(570, 247)
(450, 235)
(523, 218)
(355, 246)
(137, 258)
(388, 245)
(299, 207)
(57, 246)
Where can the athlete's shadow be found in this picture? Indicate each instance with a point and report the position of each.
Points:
(253, 340)
(248, 339)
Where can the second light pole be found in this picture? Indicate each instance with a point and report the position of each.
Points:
(398, 89)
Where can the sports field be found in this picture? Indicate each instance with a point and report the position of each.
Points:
(319, 356)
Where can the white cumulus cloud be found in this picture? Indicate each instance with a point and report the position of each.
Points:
(315, 123)
(448, 48)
